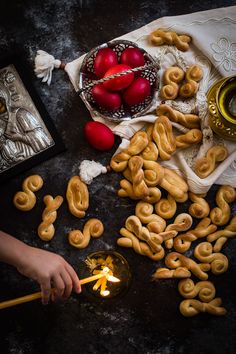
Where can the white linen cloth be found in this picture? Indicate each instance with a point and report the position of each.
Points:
(213, 47)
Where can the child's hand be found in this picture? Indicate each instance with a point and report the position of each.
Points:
(50, 271)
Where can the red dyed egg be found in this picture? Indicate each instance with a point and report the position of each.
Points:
(106, 99)
(105, 59)
(99, 135)
(137, 91)
(121, 82)
(132, 57)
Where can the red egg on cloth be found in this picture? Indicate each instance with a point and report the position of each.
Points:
(121, 82)
(137, 91)
(99, 135)
(132, 57)
(106, 99)
(105, 59)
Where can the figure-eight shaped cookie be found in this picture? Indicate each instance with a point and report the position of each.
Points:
(171, 77)
(26, 200)
(93, 227)
(221, 214)
(77, 197)
(160, 37)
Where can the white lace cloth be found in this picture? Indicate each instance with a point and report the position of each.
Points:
(212, 47)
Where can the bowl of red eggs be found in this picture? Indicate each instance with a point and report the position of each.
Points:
(111, 83)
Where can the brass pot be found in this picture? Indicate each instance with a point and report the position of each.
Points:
(222, 108)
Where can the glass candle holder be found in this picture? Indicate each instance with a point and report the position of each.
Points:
(119, 267)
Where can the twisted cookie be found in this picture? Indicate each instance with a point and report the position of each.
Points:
(139, 186)
(219, 262)
(137, 144)
(193, 75)
(183, 242)
(126, 190)
(175, 260)
(193, 136)
(93, 227)
(164, 137)
(26, 200)
(205, 290)
(77, 197)
(171, 77)
(190, 121)
(155, 223)
(199, 208)
(46, 229)
(193, 307)
(160, 37)
(165, 273)
(221, 214)
(166, 208)
(221, 236)
(182, 222)
(206, 165)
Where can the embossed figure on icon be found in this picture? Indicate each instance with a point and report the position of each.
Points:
(22, 135)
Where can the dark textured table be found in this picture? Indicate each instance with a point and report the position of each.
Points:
(146, 319)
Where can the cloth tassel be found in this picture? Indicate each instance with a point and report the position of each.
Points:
(44, 65)
(88, 170)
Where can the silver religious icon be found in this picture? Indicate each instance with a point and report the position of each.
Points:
(24, 133)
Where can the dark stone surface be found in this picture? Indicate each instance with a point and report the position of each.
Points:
(146, 319)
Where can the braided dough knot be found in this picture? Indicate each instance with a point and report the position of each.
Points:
(190, 121)
(139, 186)
(219, 262)
(77, 197)
(46, 229)
(206, 165)
(164, 138)
(221, 214)
(93, 227)
(25, 200)
(171, 77)
(193, 307)
(160, 37)
(205, 290)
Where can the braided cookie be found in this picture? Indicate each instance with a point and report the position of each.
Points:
(26, 200)
(193, 136)
(164, 137)
(206, 165)
(137, 144)
(193, 307)
(199, 208)
(183, 242)
(219, 262)
(221, 214)
(182, 222)
(175, 260)
(193, 75)
(171, 77)
(155, 223)
(46, 229)
(190, 121)
(160, 37)
(77, 196)
(139, 186)
(221, 236)
(131, 241)
(166, 207)
(126, 190)
(205, 290)
(93, 227)
(165, 273)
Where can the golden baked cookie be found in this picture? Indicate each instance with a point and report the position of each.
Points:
(25, 200)
(77, 196)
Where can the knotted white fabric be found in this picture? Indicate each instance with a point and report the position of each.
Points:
(44, 65)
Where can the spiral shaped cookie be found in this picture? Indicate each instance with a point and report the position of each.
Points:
(175, 260)
(137, 144)
(192, 307)
(77, 196)
(25, 200)
(165, 273)
(221, 236)
(78, 239)
(166, 207)
(204, 253)
(221, 214)
(193, 75)
(182, 222)
(206, 165)
(190, 121)
(155, 223)
(164, 137)
(193, 136)
(205, 290)
(171, 77)
(160, 37)
(126, 190)
(183, 241)
(46, 229)
(131, 241)
(199, 208)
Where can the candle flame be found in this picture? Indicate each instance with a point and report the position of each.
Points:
(113, 279)
(105, 270)
(105, 293)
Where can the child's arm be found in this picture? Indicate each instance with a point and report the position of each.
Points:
(47, 268)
